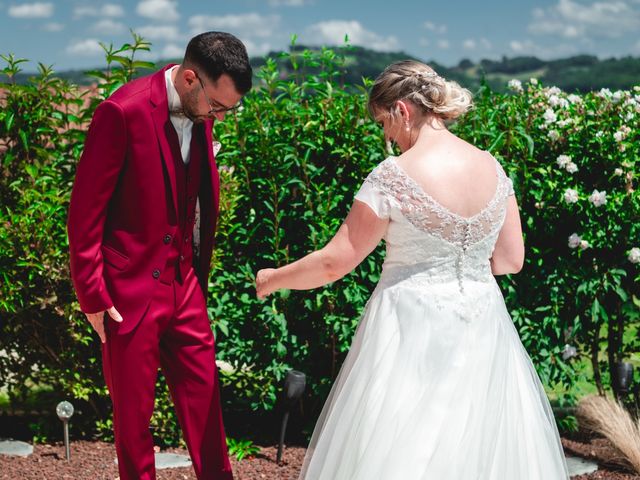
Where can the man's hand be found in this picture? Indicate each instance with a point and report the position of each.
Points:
(97, 321)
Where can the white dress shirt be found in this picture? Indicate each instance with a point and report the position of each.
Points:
(181, 123)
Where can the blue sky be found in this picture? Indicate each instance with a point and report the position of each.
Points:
(66, 33)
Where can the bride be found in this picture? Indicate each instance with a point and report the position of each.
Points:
(436, 385)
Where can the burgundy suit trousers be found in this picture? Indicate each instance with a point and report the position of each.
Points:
(174, 335)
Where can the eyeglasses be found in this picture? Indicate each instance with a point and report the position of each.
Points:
(212, 109)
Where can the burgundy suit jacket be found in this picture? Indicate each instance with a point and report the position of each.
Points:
(123, 203)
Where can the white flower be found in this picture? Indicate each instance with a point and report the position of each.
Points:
(634, 255)
(568, 352)
(565, 122)
(556, 101)
(563, 160)
(572, 167)
(604, 93)
(533, 81)
(553, 91)
(574, 240)
(629, 116)
(584, 245)
(622, 133)
(570, 195)
(549, 116)
(515, 85)
(618, 95)
(573, 98)
(553, 135)
(599, 134)
(618, 172)
(598, 198)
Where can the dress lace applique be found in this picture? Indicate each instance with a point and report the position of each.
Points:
(389, 187)
(428, 215)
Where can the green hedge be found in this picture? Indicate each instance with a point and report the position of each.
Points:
(291, 161)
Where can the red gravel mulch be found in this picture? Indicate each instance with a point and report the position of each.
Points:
(95, 461)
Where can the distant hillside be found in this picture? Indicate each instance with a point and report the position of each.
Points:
(580, 73)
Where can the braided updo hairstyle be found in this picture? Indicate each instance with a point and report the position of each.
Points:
(414, 81)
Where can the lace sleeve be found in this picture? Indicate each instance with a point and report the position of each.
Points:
(374, 198)
(509, 186)
(508, 183)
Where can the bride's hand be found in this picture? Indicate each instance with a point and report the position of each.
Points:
(263, 282)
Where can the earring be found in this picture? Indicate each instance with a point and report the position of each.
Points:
(407, 127)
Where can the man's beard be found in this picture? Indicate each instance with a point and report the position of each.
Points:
(190, 107)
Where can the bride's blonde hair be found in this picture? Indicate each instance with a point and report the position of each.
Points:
(419, 83)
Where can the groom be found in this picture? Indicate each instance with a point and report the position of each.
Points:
(140, 275)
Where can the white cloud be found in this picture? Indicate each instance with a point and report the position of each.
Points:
(443, 44)
(53, 27)
(112, 10)
(576, 19)
(159, 32)
(87, 48)
(108, 10)
(255, 48)
(522, 47)
(469, 44)
(173, 51)
(432, 27)
(246, 25)
(109, 26)
(288, 3)
(473, 44)
(332, 32)
(162, 10)
(253, 29)
(31, 10)
(423, 42)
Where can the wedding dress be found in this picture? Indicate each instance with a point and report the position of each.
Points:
(436, 385)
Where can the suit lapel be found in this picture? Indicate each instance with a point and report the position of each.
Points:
(215, 177)
(161, 122)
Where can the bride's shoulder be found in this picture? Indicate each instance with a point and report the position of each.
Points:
(383, 168)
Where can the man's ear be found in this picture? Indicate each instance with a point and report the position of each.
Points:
(189, 76)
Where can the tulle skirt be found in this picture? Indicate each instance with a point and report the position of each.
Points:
(436, 386)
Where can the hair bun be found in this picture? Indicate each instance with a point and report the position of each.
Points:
(419, 83)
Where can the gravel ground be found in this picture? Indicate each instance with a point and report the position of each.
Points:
(95, 461)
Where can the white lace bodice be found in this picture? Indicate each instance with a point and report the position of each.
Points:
(425, 237)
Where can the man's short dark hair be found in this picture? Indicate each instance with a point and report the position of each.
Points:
(217, 53)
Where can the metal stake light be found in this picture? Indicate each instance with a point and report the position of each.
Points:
(294, 384)
(65, 412)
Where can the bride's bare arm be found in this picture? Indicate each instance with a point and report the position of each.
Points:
(508, 255)
(360, 233)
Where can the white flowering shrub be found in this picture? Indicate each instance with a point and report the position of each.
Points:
(573, 160)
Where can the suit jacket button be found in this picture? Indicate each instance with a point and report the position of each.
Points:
(167, 239)
(156, 273)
